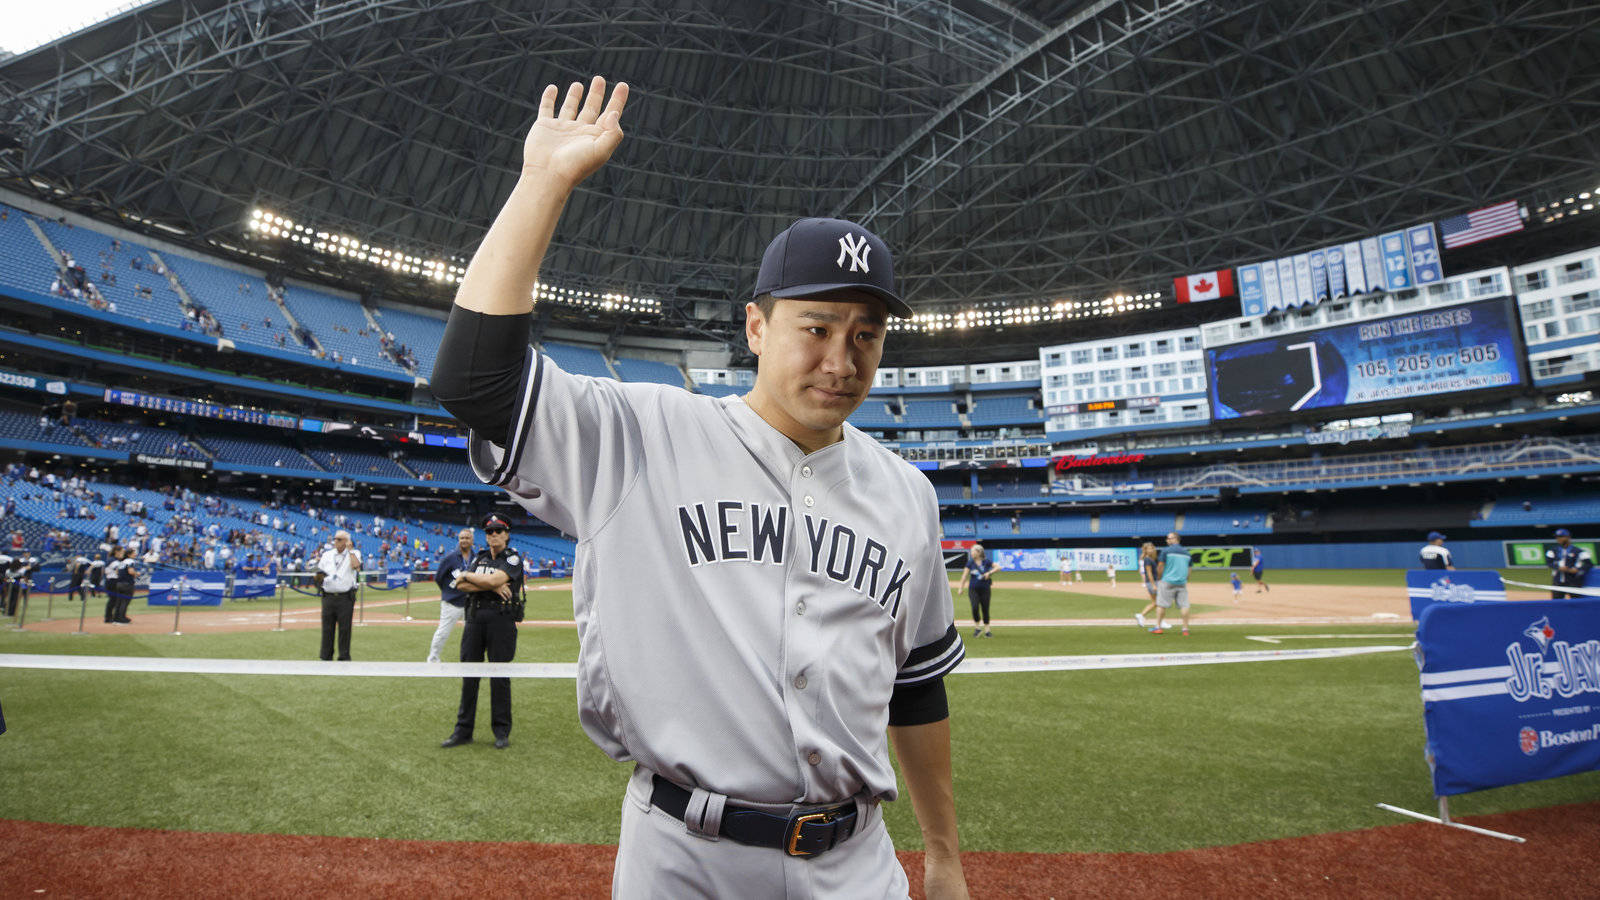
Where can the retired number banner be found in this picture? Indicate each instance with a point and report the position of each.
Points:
(1510, 692)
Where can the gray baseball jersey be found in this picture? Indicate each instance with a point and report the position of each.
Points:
(744, 609)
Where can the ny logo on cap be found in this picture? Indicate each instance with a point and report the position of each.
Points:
(855, 247)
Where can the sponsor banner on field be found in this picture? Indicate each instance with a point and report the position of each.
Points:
(52, 581)
(1510, 692)
(397, 576)
(191, 587)
(1532, 553)
(1218, 557)
(1082, 559)
(253, 581)
(1428, 587)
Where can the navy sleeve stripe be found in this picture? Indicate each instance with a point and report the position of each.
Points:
(929, 651)
(517, 439)
(933, 660)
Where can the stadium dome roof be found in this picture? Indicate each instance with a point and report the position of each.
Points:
(1004, 150)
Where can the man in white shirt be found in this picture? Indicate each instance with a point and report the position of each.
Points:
(337, 571)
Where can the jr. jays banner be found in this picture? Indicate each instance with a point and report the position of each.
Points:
(1510, 692)
(254, 582)
(194, 587)
(1427, 587)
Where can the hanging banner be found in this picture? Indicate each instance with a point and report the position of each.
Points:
(1510, 692)
(1354, 275)
(1319, 275)
(1372, 264)
(1303, 293)
(1084, 559)
(1269, 285)
(1252, 301)
(1396, 264)
(1288, 295)
(1426, 587)
(1424, 249)
(1336, 288)
(254, 581)
(194, 587)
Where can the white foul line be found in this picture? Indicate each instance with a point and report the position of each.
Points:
(1280, 638)
(970, 666)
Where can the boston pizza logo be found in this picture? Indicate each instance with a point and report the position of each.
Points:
(1528, 740)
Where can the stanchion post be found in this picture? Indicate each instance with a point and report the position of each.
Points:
(408, 596)
(22, 610)
(83, 610)
(361, 600)
(280, 606)
(177, 610)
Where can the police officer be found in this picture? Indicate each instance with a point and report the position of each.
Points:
(1434, 555)
(493, 583)
(1569, 564)
(452, 599)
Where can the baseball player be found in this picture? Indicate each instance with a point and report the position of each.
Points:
(1434, 555)
(493, 584)
(759, 589)
(1569, 565)
(977, 575)
(452, 599)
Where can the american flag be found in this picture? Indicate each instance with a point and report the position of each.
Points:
(1481, 224)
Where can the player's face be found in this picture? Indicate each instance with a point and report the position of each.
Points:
(817, 361)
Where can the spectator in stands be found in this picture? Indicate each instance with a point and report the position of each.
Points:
(1434, 555)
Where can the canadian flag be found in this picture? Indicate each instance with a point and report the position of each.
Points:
(1205, 286)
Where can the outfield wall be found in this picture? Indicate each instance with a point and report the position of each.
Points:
(1377, 555)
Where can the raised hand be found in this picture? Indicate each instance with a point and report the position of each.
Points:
(569, 144)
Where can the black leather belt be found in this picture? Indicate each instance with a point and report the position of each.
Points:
(474, 604)
(805, 832)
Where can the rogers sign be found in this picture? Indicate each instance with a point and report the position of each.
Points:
(1064, 463)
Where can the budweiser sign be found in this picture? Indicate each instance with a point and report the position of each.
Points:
(1064, 463)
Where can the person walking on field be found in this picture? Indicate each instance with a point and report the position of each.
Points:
(1147, 571)
(1172, 572)
(979, 571)
(1111, 573)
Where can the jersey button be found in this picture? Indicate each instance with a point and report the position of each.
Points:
(800, 682)
(815, 758)
(800, 608)
(809, 501)
(805, 471)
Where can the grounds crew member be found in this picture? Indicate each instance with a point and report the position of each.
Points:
(452, 600)
(760, 592)
(1434, 555)
(493, 582)
(1569, 564)
(337, 571)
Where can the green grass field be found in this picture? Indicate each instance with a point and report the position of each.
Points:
(1121, 760)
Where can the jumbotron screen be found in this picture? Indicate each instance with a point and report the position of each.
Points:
(1438, 351)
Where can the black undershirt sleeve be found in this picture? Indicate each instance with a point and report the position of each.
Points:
(479, 368)
(918, 704)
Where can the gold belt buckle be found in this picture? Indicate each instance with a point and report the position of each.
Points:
(798, 823)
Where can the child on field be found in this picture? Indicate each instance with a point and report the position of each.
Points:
(1238, 586)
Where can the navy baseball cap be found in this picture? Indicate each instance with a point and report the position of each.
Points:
(493, 520)
(1562, 532)
(1435, 536)
(829, 259)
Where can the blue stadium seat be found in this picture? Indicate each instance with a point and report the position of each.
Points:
(1016, 409)
(340, 326)
(102, 256)
(420, 334)
(23, 260)
(648, 371)
(577, 360)
(238, 301)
